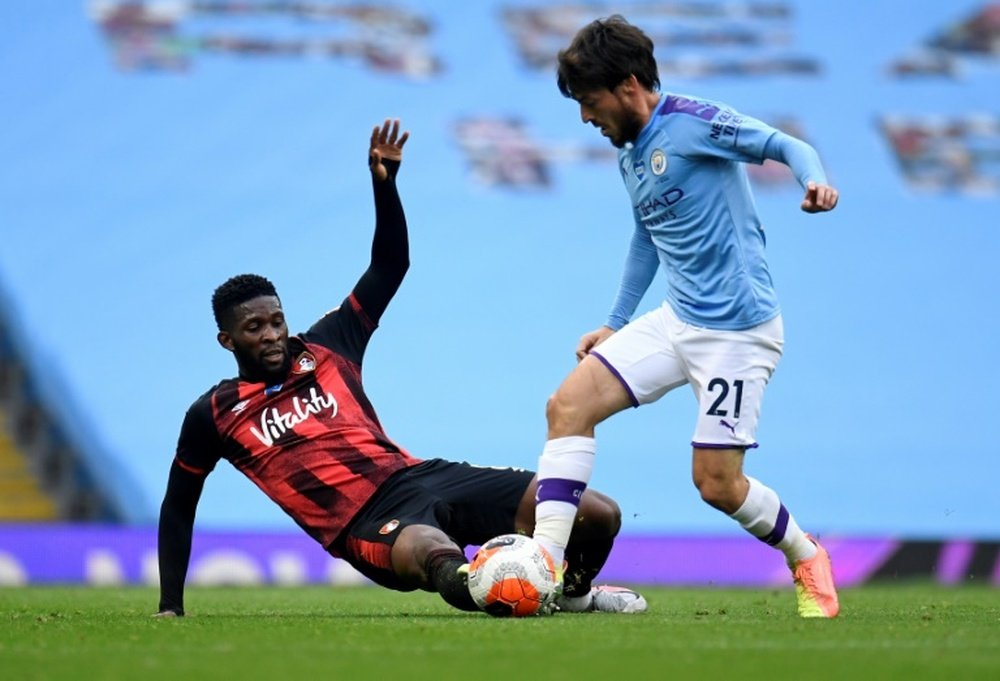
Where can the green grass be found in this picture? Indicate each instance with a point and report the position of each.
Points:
(318, 634)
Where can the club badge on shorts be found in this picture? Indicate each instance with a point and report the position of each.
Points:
(389, 527)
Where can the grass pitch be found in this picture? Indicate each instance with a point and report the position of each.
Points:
(907, 632)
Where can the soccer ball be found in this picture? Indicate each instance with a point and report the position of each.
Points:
(512, 576)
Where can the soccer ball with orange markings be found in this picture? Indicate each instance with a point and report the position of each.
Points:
(513, 576)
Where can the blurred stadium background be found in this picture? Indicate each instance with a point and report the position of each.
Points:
(151, 150)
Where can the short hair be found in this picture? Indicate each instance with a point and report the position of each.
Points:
(603, 54)
(236, 291)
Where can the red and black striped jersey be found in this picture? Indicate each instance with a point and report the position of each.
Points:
(313, 444)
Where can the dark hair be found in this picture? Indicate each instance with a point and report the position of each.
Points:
(237, 290)
(603, 54)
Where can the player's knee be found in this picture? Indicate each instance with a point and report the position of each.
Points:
(599, 515)
(554, 408)
(719, 492)
(566, 414)
(611, 518)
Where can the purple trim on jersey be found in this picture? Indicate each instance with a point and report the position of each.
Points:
(780, 527)
(683, 105)
(605, 362)
(560, 489)
(704, 445)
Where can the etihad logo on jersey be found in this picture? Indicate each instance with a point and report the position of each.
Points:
(660, 203)
(304, 363)
(274, 423)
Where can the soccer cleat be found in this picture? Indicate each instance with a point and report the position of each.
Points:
(618, 599)
(615, 599)
(814, 586)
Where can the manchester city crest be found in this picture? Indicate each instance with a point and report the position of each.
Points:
(658, 162)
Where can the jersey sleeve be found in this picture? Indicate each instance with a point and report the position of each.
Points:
(714, 129)
(641, 265)
(390, 248)
(799, 156)
(199, 447)
(346, 330)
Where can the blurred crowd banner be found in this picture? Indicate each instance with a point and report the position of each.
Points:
(105, 556)
(171, 36)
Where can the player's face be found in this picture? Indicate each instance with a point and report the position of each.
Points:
(609, 111)
(258, 337)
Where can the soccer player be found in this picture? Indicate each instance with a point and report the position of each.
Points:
(297, 422)
(720, 328)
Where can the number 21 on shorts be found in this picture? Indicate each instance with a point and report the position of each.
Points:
(722, 404)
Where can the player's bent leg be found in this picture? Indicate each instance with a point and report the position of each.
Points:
(427, 558)
(594, 530)
(590, 394)
(718, 474)
(597, 524)
(598, 517)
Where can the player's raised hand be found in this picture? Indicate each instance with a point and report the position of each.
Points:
(819, 198)
(386, 143)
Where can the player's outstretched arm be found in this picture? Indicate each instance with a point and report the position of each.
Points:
(390, 244)
(174, 537)
(803, 161)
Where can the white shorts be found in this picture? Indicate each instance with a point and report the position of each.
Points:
(727, 370)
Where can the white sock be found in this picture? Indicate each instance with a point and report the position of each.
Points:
(765, 517)
(563, 473)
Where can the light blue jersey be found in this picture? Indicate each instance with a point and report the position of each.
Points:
(695, 215)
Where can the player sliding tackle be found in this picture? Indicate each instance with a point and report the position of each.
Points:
(720, 329)
(297, 422)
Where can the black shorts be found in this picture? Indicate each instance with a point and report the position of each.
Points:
(470, 504)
